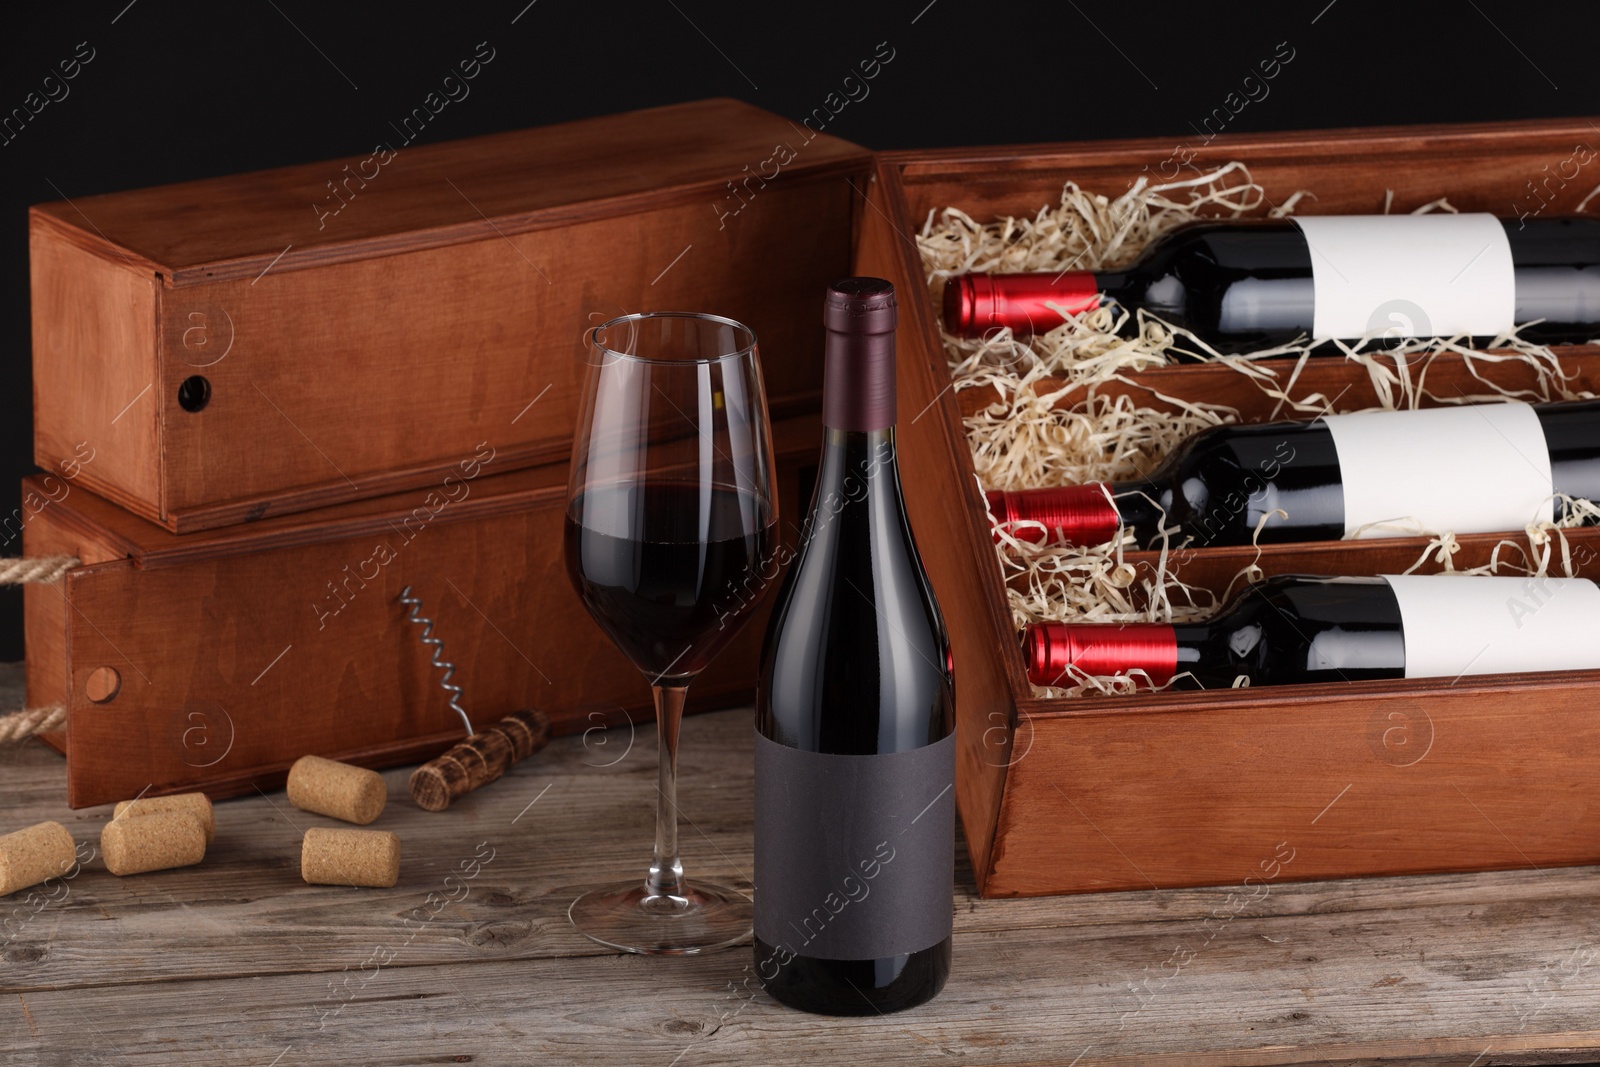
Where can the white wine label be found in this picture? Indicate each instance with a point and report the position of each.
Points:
(1410, 275)
(1479, 468)
(855, 855)
(1457, 624)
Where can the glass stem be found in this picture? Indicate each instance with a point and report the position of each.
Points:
(666, 871)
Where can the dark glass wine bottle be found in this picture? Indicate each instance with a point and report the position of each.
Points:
(855, 756)
(1477, 468)
(1247, 285)
(1295, 629)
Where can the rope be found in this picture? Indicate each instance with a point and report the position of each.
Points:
(42, 569)
(18, 725)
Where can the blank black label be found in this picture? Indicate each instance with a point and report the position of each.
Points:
(855, 855)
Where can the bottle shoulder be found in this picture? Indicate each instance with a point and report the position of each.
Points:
(1240, 244)
(1305, 628)
(1319, 599)
(1251, 447)
(856, 658)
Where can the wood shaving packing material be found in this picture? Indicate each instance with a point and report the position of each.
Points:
(1021, 439)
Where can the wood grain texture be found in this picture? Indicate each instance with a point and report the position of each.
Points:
(240, 650)
(45, 610)
(1329, 384)
(521, 179)
(1479, 166)
(1191, 788)
(444, 306)
(94, 368)
(1216, 571)
(236, 962)
(937, 476)
(423, 356)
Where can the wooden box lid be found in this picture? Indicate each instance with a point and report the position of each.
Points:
(436, 194)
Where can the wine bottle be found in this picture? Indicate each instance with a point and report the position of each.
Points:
(1475, 468)
(855, 749)
(1296, 629)
(1251, 284)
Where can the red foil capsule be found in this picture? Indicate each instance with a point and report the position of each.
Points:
(1096, 649)
(1070, 514)
(974, 304)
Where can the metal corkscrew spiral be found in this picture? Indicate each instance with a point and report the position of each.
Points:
(449, 668)
(481, 758)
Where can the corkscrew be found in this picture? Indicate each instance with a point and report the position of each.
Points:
(482, 757)
(449, 668)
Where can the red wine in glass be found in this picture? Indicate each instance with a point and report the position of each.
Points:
(670, 598)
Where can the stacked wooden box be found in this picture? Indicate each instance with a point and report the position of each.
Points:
(259, 420)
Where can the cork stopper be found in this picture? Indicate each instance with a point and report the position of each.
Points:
(350, 857)
(328, 787)
(134, 844)
(478, 760)
(33, 854)
(197, 803)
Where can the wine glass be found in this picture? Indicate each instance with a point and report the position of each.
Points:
(670, 516)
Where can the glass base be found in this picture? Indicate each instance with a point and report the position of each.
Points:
(626, 916)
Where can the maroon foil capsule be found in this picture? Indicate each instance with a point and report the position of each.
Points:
(974, 304)
(858, 391)
(1050, 648)
(1070, 514)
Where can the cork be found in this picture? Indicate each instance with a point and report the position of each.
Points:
(33, 854)
(198, 803)
(328, 787)
(157, 841)
(350, 857)
(478, 760)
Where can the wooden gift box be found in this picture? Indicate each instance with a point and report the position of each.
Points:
(213, 660)
(355, 327)
(1180, 789)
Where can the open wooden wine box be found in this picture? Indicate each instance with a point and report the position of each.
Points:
(1239, 787)
(213, 660)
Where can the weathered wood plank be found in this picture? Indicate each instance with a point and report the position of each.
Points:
(1017, 997)
(249, 882)
(236, 961)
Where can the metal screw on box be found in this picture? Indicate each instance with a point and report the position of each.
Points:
(482, 757)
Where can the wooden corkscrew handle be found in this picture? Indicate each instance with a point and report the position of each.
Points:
(479, 760)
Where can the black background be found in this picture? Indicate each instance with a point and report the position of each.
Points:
(181, 90)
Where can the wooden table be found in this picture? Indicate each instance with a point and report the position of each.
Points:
(237, 962)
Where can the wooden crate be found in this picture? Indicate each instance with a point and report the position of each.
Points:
(1179, 789)
(352, 354)
(230, 653)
